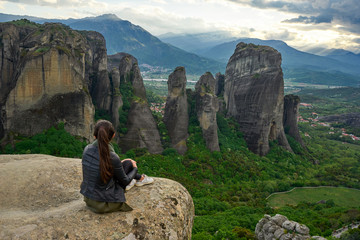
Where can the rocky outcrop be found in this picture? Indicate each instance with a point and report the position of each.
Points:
(96, 70)
(176, 116)
(291, 113)
(142, 130)
(279, 227)
(40, 199)
(43, 79)
(117, 102)
(254, 95)
(206, 108)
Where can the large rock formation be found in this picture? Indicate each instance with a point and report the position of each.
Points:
(176, 116)
(206, 108)
(279, 227)
(142, 130)
(254, 95)
(291, 113)
(40, 199)
(42, 79)
(96, 70)
(117, 102)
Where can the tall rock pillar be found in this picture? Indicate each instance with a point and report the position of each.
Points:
(254, 95)
(96, 73)
(206, 108)
(291, 113)
(176, 116)
(142, 130)
(116, 97)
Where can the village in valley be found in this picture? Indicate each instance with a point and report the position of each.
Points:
(314, 122)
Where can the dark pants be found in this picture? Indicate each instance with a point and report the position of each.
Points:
(128, 167)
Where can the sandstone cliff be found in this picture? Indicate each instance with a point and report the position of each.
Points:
(40, 199)
(176, 116)
(42, 79)
(291, 113)
(254, 95)
(279, 227)
(142, 130)
(206, 108)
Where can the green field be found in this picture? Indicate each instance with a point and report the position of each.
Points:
(344, 197)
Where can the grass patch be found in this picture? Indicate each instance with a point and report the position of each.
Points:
(344, 197)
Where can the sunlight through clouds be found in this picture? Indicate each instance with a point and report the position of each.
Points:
(299, 23)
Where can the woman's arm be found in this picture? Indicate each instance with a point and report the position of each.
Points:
(119, 173)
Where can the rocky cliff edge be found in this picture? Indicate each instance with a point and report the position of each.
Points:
(40, 199)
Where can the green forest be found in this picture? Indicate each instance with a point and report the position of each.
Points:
(230, 187)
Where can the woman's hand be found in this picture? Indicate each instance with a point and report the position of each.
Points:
(127, 159)
(134, 163)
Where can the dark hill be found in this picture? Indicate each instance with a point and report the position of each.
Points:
(123, 36)
(300, 66)
(290, 56)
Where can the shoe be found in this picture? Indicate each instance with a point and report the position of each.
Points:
(130, 185)
(146, 180)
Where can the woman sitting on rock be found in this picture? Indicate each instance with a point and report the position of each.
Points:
(105, 177)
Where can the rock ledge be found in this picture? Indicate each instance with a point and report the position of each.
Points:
(40, 199)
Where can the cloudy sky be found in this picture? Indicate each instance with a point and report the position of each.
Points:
(303, 24)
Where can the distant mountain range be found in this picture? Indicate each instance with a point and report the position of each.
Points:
(203, 52)
(336, 67)
(199, 42)
(123, 36)
(334, 60)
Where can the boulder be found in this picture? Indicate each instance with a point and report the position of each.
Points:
(176, 116)
(291, 113)
(40, 199)
(43, 80)
(254, 95)
(279, 227)
(206, 108)
(142, 131)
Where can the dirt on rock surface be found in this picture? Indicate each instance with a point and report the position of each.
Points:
(40, 199)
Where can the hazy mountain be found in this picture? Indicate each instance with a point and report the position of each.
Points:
(8, 17)
(123, 36)
(291, 57)
(198, 42)
(344, 56)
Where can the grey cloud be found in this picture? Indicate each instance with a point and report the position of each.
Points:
(311, 19)
(284, 35)
(58, 3)
(344, 12)
(357, 40)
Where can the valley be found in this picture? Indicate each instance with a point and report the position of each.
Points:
(229, 185)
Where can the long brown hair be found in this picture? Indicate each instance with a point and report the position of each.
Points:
(104, 131)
